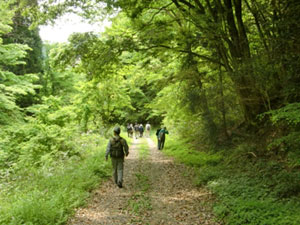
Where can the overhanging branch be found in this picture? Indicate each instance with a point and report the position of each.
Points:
(206, 58)
(162, 8)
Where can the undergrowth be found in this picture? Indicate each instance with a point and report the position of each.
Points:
(50, 193)
(249, 190)
(183, 152)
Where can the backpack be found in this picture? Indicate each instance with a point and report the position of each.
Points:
(141, 128)
(148, 127)
(157, 132)
(136, 127)
(116, 148)
(161, 134)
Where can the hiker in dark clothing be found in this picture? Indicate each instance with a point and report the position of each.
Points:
(158, 142)
(162, 137)
(117, 149)
(141, 130)
(129, 130)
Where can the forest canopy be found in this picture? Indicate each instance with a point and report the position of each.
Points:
(220, 74)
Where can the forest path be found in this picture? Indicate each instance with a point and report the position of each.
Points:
(156, 191)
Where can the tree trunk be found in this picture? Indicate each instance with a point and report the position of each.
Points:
(223, 110)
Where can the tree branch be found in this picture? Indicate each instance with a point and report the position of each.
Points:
(187, 4)
(183, 51)
(162, 8)
(202, 10)
(178, 6)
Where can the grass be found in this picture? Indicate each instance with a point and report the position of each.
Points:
(50, 194)
(143, 149)
(184, 153)
(128, 139)
(248, 192)
(140, 202)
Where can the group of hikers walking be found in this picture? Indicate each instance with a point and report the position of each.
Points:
(138, 130)
(117, 147)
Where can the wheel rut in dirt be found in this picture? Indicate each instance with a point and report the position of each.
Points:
(175, 200)
(109, 204)
(156, 191)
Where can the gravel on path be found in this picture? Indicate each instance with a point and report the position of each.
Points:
(171, 196)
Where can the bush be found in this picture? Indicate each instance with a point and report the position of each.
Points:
(183, 152)
(286, 141)
(52, 192)
(256, 191)
(25, 144)
(206, 174)
(243, 200)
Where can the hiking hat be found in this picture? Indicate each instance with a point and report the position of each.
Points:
(117, 130)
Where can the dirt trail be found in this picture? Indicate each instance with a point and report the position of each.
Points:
(155, 192)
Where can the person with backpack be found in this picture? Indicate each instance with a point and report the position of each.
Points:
(148, 128)
(162, 137)
(136, 130)
(141, 130)
(158, 142)
(129, 130)
(117, 149)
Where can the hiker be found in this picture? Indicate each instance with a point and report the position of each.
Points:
(136, 130)
(148, 128)
(141, 130)
(117, 149)
(162, 137)
(132, 129)
(158, 142)
(129, 130)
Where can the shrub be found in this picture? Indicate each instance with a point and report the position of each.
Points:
(52, 191)
(256, 191)
(183, 152)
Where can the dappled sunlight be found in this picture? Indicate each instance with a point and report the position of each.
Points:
(185, 195)
(88, 216)
(155, 192)
(222, 76)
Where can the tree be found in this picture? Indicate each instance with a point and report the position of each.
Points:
(22, 34)
(12, 86)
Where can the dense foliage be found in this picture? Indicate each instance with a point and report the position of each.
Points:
(45, 159)
(223, 76)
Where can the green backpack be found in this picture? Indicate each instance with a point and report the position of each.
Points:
(116, 148)
(161, 134)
